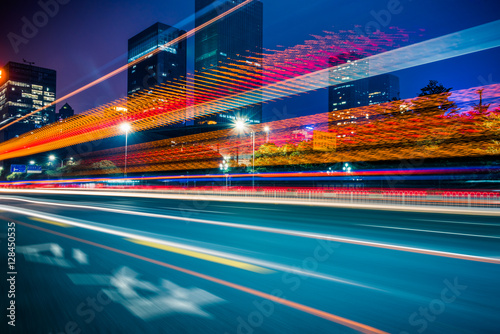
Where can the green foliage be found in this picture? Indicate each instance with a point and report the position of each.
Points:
(14, 176)
(294, 156)
(103, 164)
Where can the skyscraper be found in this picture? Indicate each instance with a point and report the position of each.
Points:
(25, 88)
(383, 88)
(351, 87)
(167, 65)
(235, 38)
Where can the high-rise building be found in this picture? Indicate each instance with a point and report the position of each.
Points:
(167, 65)
(351, 86)
(348, 84)
(65, 112)
(233, 39)
(383, 88)
(25, 88)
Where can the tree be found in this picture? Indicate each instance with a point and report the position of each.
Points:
(434, 99)
(433, 87)
(14, 176)
(103, 164)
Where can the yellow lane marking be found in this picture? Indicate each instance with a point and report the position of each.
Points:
(49, 221)
(206, 257)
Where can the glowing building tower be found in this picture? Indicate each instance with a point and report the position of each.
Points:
(232, 39)
(25, 88)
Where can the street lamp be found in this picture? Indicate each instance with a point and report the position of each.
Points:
(266, 129)
(53, 157)
(224, 167)
(240, 126)
(32, 162)
(125, 127)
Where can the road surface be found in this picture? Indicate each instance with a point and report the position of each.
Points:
(104, 264)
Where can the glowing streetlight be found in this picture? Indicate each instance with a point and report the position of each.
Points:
(240, 126)
(32, 162)
(53, 158)
(346, 168)
(266, 129)
(125, 127)
(224, 165)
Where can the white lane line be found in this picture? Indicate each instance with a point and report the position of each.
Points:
(247, 208)
(454, 222)
(196, 210)
(130, 234)
(267, 200)
(298, 234)
(430, 231)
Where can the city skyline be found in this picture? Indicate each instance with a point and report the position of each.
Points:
(476, 67)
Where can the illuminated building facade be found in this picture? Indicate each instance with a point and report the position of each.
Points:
(383, 88)
(25, 88)
(168, 65)
(351, 86)
(232, 39)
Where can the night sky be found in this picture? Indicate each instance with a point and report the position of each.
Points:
(86, 40)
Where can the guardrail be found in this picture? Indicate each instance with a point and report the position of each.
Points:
(450, 198)
(406, 198)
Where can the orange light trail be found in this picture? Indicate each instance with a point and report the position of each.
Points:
(124, 67)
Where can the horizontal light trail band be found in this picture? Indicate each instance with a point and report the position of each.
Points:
(241, 262)
(301, 234)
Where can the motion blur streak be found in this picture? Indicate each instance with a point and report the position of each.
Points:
(206, 257)
(302, 234)
(130, 64)
(146, 117)
(328, 316)
(241, 262)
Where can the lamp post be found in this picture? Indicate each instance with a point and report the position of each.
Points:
(125, 127)
(240, 125)
(266, 129)
(53, 157)
(224, 167)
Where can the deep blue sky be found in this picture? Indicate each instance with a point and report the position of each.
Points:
(85, 40)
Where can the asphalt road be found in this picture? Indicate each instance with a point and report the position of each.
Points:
(102, 264)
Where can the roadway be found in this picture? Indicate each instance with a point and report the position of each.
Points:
(106, 264)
